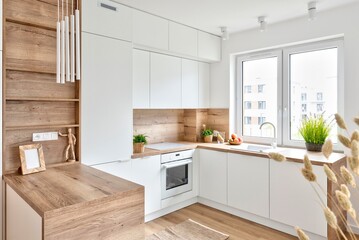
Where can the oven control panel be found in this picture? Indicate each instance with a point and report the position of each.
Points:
(175, 156)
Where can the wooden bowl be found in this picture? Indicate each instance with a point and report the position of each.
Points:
(233, 143)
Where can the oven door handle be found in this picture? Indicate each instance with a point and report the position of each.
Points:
(176, 164)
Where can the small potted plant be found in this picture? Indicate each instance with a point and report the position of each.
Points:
(207, 134)
(314, 130)
(139, 142)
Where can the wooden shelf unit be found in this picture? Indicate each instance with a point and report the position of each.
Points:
(32, 100)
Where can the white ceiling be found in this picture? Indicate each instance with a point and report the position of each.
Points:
(237, 15)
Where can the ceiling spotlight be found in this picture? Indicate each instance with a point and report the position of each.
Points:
(225, 33)
(263, 23)
(312, 10)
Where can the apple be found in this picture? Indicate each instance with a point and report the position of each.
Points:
(236, 140)
(234, 136)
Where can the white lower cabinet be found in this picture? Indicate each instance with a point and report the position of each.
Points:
(292, 199)
(120, 169)
(213, 175)
(146, 172)
(248, 184)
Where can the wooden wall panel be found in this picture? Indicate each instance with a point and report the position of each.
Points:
(33, 113)
(218, 119)
(159, 125)
(29, 48)
(37, 85)
(53, 150)
(37, 12)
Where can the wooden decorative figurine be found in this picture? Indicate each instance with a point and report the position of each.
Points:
(71, 145)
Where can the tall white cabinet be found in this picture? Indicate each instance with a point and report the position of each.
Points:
(141, 79)
(106, 99)
(190, 86)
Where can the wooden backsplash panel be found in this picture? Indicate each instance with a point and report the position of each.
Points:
(194, 120)
(53, 150)
(37, 85)
(159, 125)
(218, 119)
(30, 113)
(30, 48)
(37, 12)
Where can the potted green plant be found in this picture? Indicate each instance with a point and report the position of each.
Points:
(139, 142)
(314, 130)
(207, 134)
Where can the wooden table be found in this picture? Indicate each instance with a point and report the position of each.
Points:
(73, 202)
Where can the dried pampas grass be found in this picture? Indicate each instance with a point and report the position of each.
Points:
(307, 163)
(345, 190)
(355, 136)
(330, 174)
(331, 218)
(344, 140)
(347, 177)
(343, 200)
(309, 175)
(327, 148)
(355, 149)
(356, 120)
(301, 234)
(354, 164)
(277, 157)
(352, 213)
(340, 121)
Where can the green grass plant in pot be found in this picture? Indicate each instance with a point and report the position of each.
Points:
(139, 142)
(207, 134)
(315, 130)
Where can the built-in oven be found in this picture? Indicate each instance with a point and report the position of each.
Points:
(176, 173)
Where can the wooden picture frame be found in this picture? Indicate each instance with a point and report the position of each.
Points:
(32, 159)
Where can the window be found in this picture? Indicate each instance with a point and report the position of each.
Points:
(261, 120)
(304, 95)
(302, 75)
(261, 105)
(247, 105)
(304, 108)
(247, 89)
(260, 88)
(247, 120)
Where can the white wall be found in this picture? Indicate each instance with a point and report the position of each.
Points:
(343, 20)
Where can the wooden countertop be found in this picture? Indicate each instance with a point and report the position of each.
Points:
(292, 154)
(72, 185)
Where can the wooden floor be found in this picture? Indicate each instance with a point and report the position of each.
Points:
(236, 227)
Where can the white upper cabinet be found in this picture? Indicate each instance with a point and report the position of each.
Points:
(165, 81)
(150, 31)
(183, 39)
(189, 84)
(141, 79)
(106, 104)
(107, 18)
(209, 47)
(204, 85)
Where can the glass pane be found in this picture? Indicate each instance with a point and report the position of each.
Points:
(259, 96)
(177, 176)
(313, 83)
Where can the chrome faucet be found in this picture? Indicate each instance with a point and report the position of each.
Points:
(274, 143)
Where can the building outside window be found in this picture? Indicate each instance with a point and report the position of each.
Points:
(247, 89)
(261, 105)
(261, 120)
(247, 120)
(247, 105)
(260, 88)
(320, 107)
(320, 96)
(304, 107)
(304, 97)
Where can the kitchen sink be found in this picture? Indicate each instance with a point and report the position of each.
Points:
(256, 148)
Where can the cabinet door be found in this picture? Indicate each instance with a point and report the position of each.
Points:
(183, 39)
(119, 169)
(209, 47)
(292, 199)
(106, 100)
(146, 172)
(248, 184)
(189, 84)
(115, 19)
(150, 30)
(165, 81)
(203, 80)
(141, 79)
(213, 176)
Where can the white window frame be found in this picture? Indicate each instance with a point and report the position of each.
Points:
(239, 91)
(316, 46)
(283, 97)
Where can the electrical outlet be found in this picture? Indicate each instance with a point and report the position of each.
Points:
(46, 136)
